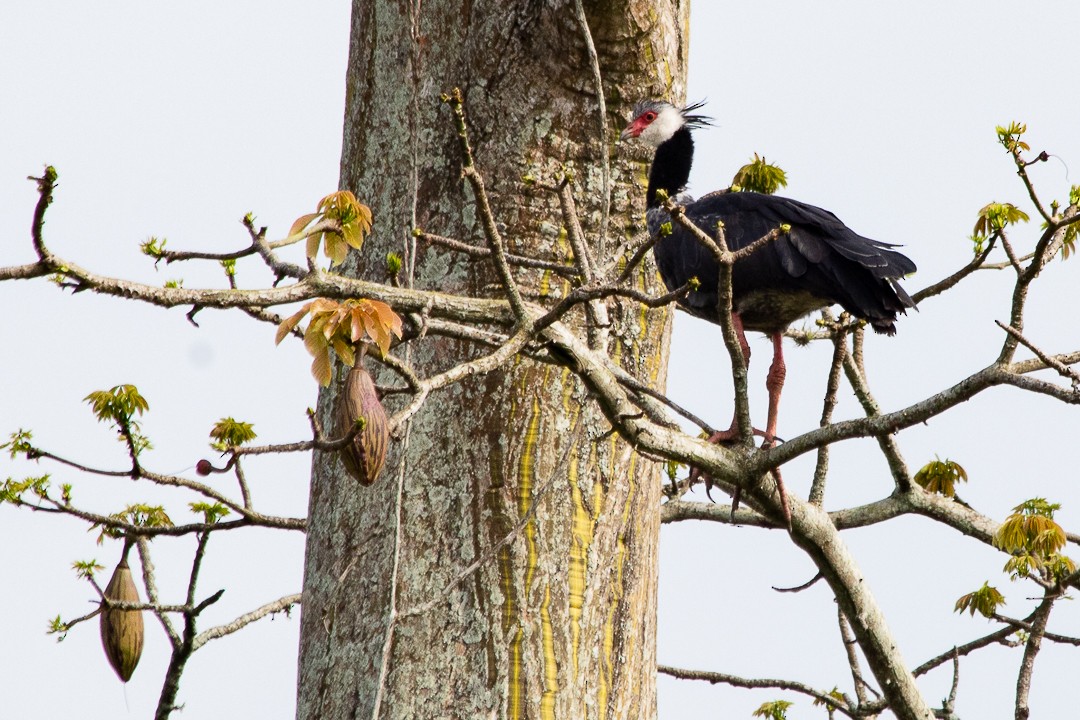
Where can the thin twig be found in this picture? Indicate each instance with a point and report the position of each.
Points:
(601, 111)
(1062, 369)
(282, 604)
(832, 389)
(491, 231)
(568, 271)
(716, 678)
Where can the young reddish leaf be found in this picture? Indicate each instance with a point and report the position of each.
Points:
(357, 317)
(374, 326)
(313, 245)
(320, 367)
(302, 222)
(289, 323)
(322, 305)
(364, 219)
(389, 319)
(314, 340)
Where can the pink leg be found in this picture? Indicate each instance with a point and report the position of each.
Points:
(775, 383)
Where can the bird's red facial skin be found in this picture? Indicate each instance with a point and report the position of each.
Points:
(638, 124)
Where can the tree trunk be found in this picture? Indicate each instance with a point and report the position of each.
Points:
(561, 623)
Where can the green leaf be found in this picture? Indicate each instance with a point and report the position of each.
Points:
(996, 216)
(211, 512)
(153, 247)
(138, 514)
(775, 710)
(393, 264)
(1009, 137)
(941, 477)
(1033, 538)
(985, 601)
(117, 404)
(833, 694)
(230, 433)
(760, 176)
(86, 568)
(12, 491)
(19, 444)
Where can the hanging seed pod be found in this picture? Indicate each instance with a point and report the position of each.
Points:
(365, 455)
(122, 630)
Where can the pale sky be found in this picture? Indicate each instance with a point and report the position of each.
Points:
(175, 120)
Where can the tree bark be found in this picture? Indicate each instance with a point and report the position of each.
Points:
(561, 622)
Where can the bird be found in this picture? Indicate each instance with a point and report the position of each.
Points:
(816, 263)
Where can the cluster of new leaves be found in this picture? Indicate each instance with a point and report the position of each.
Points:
(341, 221)
(1035, 541)
(759, 176)
(153, 247)
(14, 491)
(138, 514)
(85, 569)
(228, 433)
(833, 694)
(940, 477)
(1068, 245)
(340, 326)
(1009, 136)
(775, 710)
(985, 601)
(997, 216)
(119, 405)
(211, 512)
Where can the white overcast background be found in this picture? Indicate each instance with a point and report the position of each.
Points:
(175, 119)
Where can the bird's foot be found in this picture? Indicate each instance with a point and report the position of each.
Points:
(722, 437)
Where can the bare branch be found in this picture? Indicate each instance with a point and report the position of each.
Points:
(948, 283)
(283, 604)
(861, 686)
(716, 678)
(560, 269)
(491, 231)
(832, 388)
(151, 590)
(1062, 369)
(601, 112)
(1039, 619)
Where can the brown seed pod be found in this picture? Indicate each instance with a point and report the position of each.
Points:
(365, 455)
(122, 630)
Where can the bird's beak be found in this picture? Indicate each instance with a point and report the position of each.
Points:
(631, 131)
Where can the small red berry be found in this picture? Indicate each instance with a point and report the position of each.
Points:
(203, 467)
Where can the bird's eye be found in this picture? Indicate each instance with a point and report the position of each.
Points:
(650, 116)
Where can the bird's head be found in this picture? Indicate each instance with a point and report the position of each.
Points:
(655, 121)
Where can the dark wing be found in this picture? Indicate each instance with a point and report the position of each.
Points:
(819, 258)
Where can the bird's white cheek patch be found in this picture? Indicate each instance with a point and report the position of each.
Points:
(660, 130)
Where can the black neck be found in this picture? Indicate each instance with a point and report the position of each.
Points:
(671, 166)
